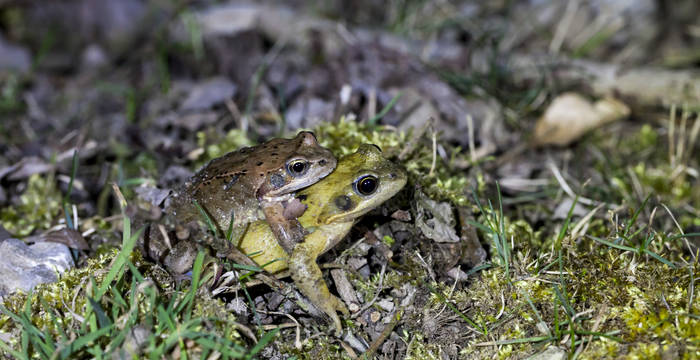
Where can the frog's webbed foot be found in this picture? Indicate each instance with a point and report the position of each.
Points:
(283, 223)
(309, 279)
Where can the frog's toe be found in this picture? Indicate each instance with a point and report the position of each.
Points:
(337, 324)
(339, 305)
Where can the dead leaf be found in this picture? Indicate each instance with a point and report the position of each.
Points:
(68, 237)
(155, 196)
(570, 116)
(435, 219)
(26, 168)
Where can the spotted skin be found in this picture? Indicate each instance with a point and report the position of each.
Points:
(334, 204)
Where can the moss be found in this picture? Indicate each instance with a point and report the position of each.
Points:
(215, 146)
(65, 296)
(67, 300)
(313, 349)
(37, 207)
(419, 349)
(443, 183)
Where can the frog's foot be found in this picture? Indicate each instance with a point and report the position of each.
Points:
(288, 232)
(180, 258)
(337, 305)
(308, 278)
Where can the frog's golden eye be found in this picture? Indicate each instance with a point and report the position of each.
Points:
(366, 185)
(297, 167)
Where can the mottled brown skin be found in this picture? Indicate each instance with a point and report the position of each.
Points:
(254, 183)
(334, 204)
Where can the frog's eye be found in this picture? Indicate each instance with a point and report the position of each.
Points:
(297, 167)
(366, 185)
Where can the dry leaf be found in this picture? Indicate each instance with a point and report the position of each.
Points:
(68, 237)
(570, 116)
(435, 219)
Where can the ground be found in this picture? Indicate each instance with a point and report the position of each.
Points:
(552, 208)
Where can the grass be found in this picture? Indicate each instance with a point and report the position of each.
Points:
(126, 313)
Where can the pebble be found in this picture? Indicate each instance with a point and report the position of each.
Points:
(25, 266)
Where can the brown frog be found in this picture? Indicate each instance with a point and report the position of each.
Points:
(361, 182)
(252, 183)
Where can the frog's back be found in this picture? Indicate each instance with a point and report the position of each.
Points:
(229, 185)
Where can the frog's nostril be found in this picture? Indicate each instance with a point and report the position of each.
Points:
(392, 176)
(322, 162)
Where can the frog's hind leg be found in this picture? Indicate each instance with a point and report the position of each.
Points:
(309, 279)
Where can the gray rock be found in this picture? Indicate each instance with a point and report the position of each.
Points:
(23, 267)
(93, 56)
(552, 353)
(14, 57)
(209, 93)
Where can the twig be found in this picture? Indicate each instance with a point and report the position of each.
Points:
(432, 165)
(567, 189)
(383, 336)
(680, 229)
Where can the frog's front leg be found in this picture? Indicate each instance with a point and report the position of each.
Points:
(282, 218)
(308, 278)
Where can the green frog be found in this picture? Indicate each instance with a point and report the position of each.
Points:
(252, 183)
(361, 182)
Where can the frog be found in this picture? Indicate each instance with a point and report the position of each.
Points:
(361, 182)
(252, 183)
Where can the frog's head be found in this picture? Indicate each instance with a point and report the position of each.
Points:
(307, 163)
(362, 181)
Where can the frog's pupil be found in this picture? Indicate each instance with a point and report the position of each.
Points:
(298, 167)
(367, 185)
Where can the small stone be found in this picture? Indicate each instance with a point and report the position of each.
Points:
(23, 267)
(14, 57)
(93, 57)
(457, 274)
(386, 304)
(401, 215)
(356, 343)
(181, 258)
(552, 353)
(374, 316)
(238, 306)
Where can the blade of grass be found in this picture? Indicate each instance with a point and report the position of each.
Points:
(102, 318)
(516, 341)
(207, 219)
(612, 244)
(373, 121)
(659, 258)
(82, 341)
(266, 339)
(634, 217)
(118, 265)
(15, 354)
(455, 310)
(66, 198)
(188, 302)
